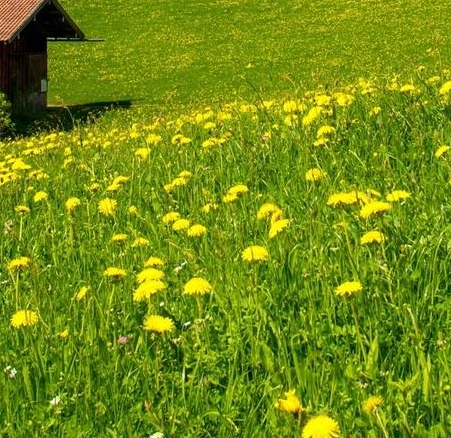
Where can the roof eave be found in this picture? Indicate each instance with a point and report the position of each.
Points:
(80, 36)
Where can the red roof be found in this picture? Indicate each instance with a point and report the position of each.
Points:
(16, 14)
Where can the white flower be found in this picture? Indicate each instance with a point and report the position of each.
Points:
(156, 435)
(10, 371)
(55, 401)
(181, 266)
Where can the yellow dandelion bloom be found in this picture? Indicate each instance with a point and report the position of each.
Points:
(372, 237)
(348, 288)
(314, 174)
(312, 115)
(94, 187)
(266, 210)
(82, 293)
(197, 286)
(18, 264)
(180, 139)
(372, 403)
(290, 404)
(325, 130)
(343, 198)
(445, 88)
(115, 273)
(229, 197)
(148, 288)
(158, 324)
(107, 206)
(40, 196)
(398, 195)
(24, 318)
(235, 192)
(22, 209)
(196, 230)
(321, 426)
(374, 208)
(153, 262)
(133, 209)
(142, 153)
(375, 111)
(119, 238)
(178, 182)
(172, 216)
(64, 334)
(140, 241)
(71, 204)
(441, 150)
(186, 174)
(180, 224)
(168, 188)
(149, 274)
(277, 227)
(255, 253)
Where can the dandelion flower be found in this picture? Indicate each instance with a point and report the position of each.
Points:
(158, 324)
(277, 227)
(71, 204)
(197, 286)
(24, 318)
(255, 253)
(22, 209)
(142, 153)
(325, 130)
(348, 288)
(347, 198)
(40, 196)
(180, 224)
(148, 288)
(314, 174)
(445, 88)
(115, 273)
(172, 216)
(375, 111)
(374, 208)
(321, 426)
(133, 209)
(372, 403)
(140, 241)
(196, 230)
(107, 206)
(153, 262)
(119, 238)
(18, 264)
(64, 334)
(397, 195)
(149, 274)
(441, 150)
(234, 193)
(290, 404)
(372, 237)
(82, 293)
(266, 210)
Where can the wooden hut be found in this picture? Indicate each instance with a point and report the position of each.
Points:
(25, 28)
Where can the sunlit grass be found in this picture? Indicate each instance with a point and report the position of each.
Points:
(242, 270)
(165, 53)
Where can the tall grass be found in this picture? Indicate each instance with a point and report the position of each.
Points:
(88, 367)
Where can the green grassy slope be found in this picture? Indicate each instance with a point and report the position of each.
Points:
(171, 52)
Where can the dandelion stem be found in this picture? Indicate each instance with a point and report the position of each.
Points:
(357, 329)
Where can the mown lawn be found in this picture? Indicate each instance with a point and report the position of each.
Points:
(165, 52)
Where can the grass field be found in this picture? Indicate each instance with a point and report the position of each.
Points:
(259, 248)
(164, 53)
